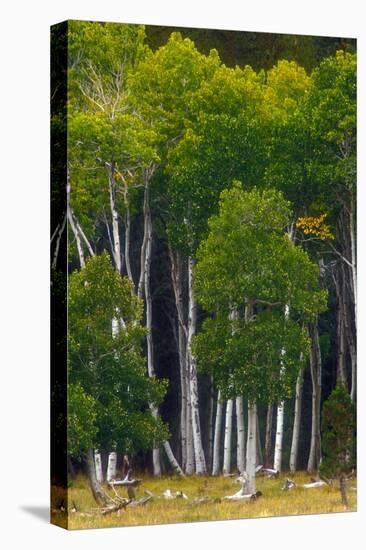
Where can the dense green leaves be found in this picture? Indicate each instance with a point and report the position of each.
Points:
(108, 370)
(247, 263)
(338, 433)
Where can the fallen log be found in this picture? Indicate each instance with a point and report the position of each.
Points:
(244, 497)
(140, 502)
(314, 484)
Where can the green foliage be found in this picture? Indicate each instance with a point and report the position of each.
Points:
(111, 368)
(103, 129)
(224, 141)
(165, 82)
(248, 358)
(338, 433)
(247, 254)
(81, 420)
(248, 262)
(331, 113)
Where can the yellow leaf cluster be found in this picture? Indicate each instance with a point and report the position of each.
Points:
(316, 226)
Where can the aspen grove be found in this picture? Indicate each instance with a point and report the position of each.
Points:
(211, 223)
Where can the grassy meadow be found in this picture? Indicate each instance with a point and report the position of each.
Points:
(273, 502)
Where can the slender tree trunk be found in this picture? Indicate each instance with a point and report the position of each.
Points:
(315, 370)
(115, 225)
(94, 485)
(128, 233)
(192, 321)
(352, 230)
(268, 438)
(297, 421)
(112, 466)
(280, 415)
(342, 488)
(190, 465)
(217, 437)
(70, 218)
(341, 336)
(251, 446)
(210, 415)
(277, 464)
(98, 466)
(183, 400)
(350, 332)
(227, 439)
(148, 307)
(176, 271)
(173, 462)
(240, 446)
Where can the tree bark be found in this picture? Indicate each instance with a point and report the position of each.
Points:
(176, 271)
(210, 421)
(190, 464)
(193, 381)
(315, 370)
(112, 466)
(251, 446)
(352, 230)
(342, 488)
(277, 463)
(240, 446)
(98, 466)
(280, 415)
(70, 217)
(268, 438)
(217, 437)
(94, 485)
(341, 337)
(127, 220)
(227, 439)
(148, 309)
(297, 421)
(115, 225)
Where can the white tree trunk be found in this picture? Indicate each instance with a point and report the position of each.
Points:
(192, 320)
(98, 466)
(112, 466)
(127, 233)
(227, 439)
(280, 416)
(115, 226)
(73, 226)
(169, 453)
(210, 434)
(190, 464)
(240, 446)
(251, 446)
(297, 421)
(277, 464)
(217, 437)
(148, 303)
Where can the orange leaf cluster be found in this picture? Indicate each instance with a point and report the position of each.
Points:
(316, 226)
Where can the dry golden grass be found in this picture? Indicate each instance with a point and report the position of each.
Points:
(274, 502)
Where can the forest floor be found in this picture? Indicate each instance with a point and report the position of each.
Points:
(273, 502)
